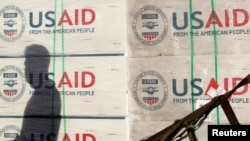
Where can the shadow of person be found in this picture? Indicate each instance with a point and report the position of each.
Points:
(42, 113)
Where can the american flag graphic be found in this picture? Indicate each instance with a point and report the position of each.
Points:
(10, 33)
(150, 35)
(150, 100)
(10, 93)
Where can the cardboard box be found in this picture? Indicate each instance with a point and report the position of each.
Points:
(170, 24)
(87, 86)
(63, 27)
(160, 89)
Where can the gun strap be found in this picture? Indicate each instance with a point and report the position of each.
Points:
(226, 105)
(191, 134)
(229, 113)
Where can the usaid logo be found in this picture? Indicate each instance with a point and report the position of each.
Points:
(149, 25)
(12, 23)
(9, 133)
(13, 83)
(150, 90)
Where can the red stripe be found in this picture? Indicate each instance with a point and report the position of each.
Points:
(10, 94)
(150, 102)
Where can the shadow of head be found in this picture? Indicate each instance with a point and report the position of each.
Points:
(37, 60)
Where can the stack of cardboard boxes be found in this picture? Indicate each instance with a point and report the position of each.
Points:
(176, 49)
(87, 52)
(124, 70)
